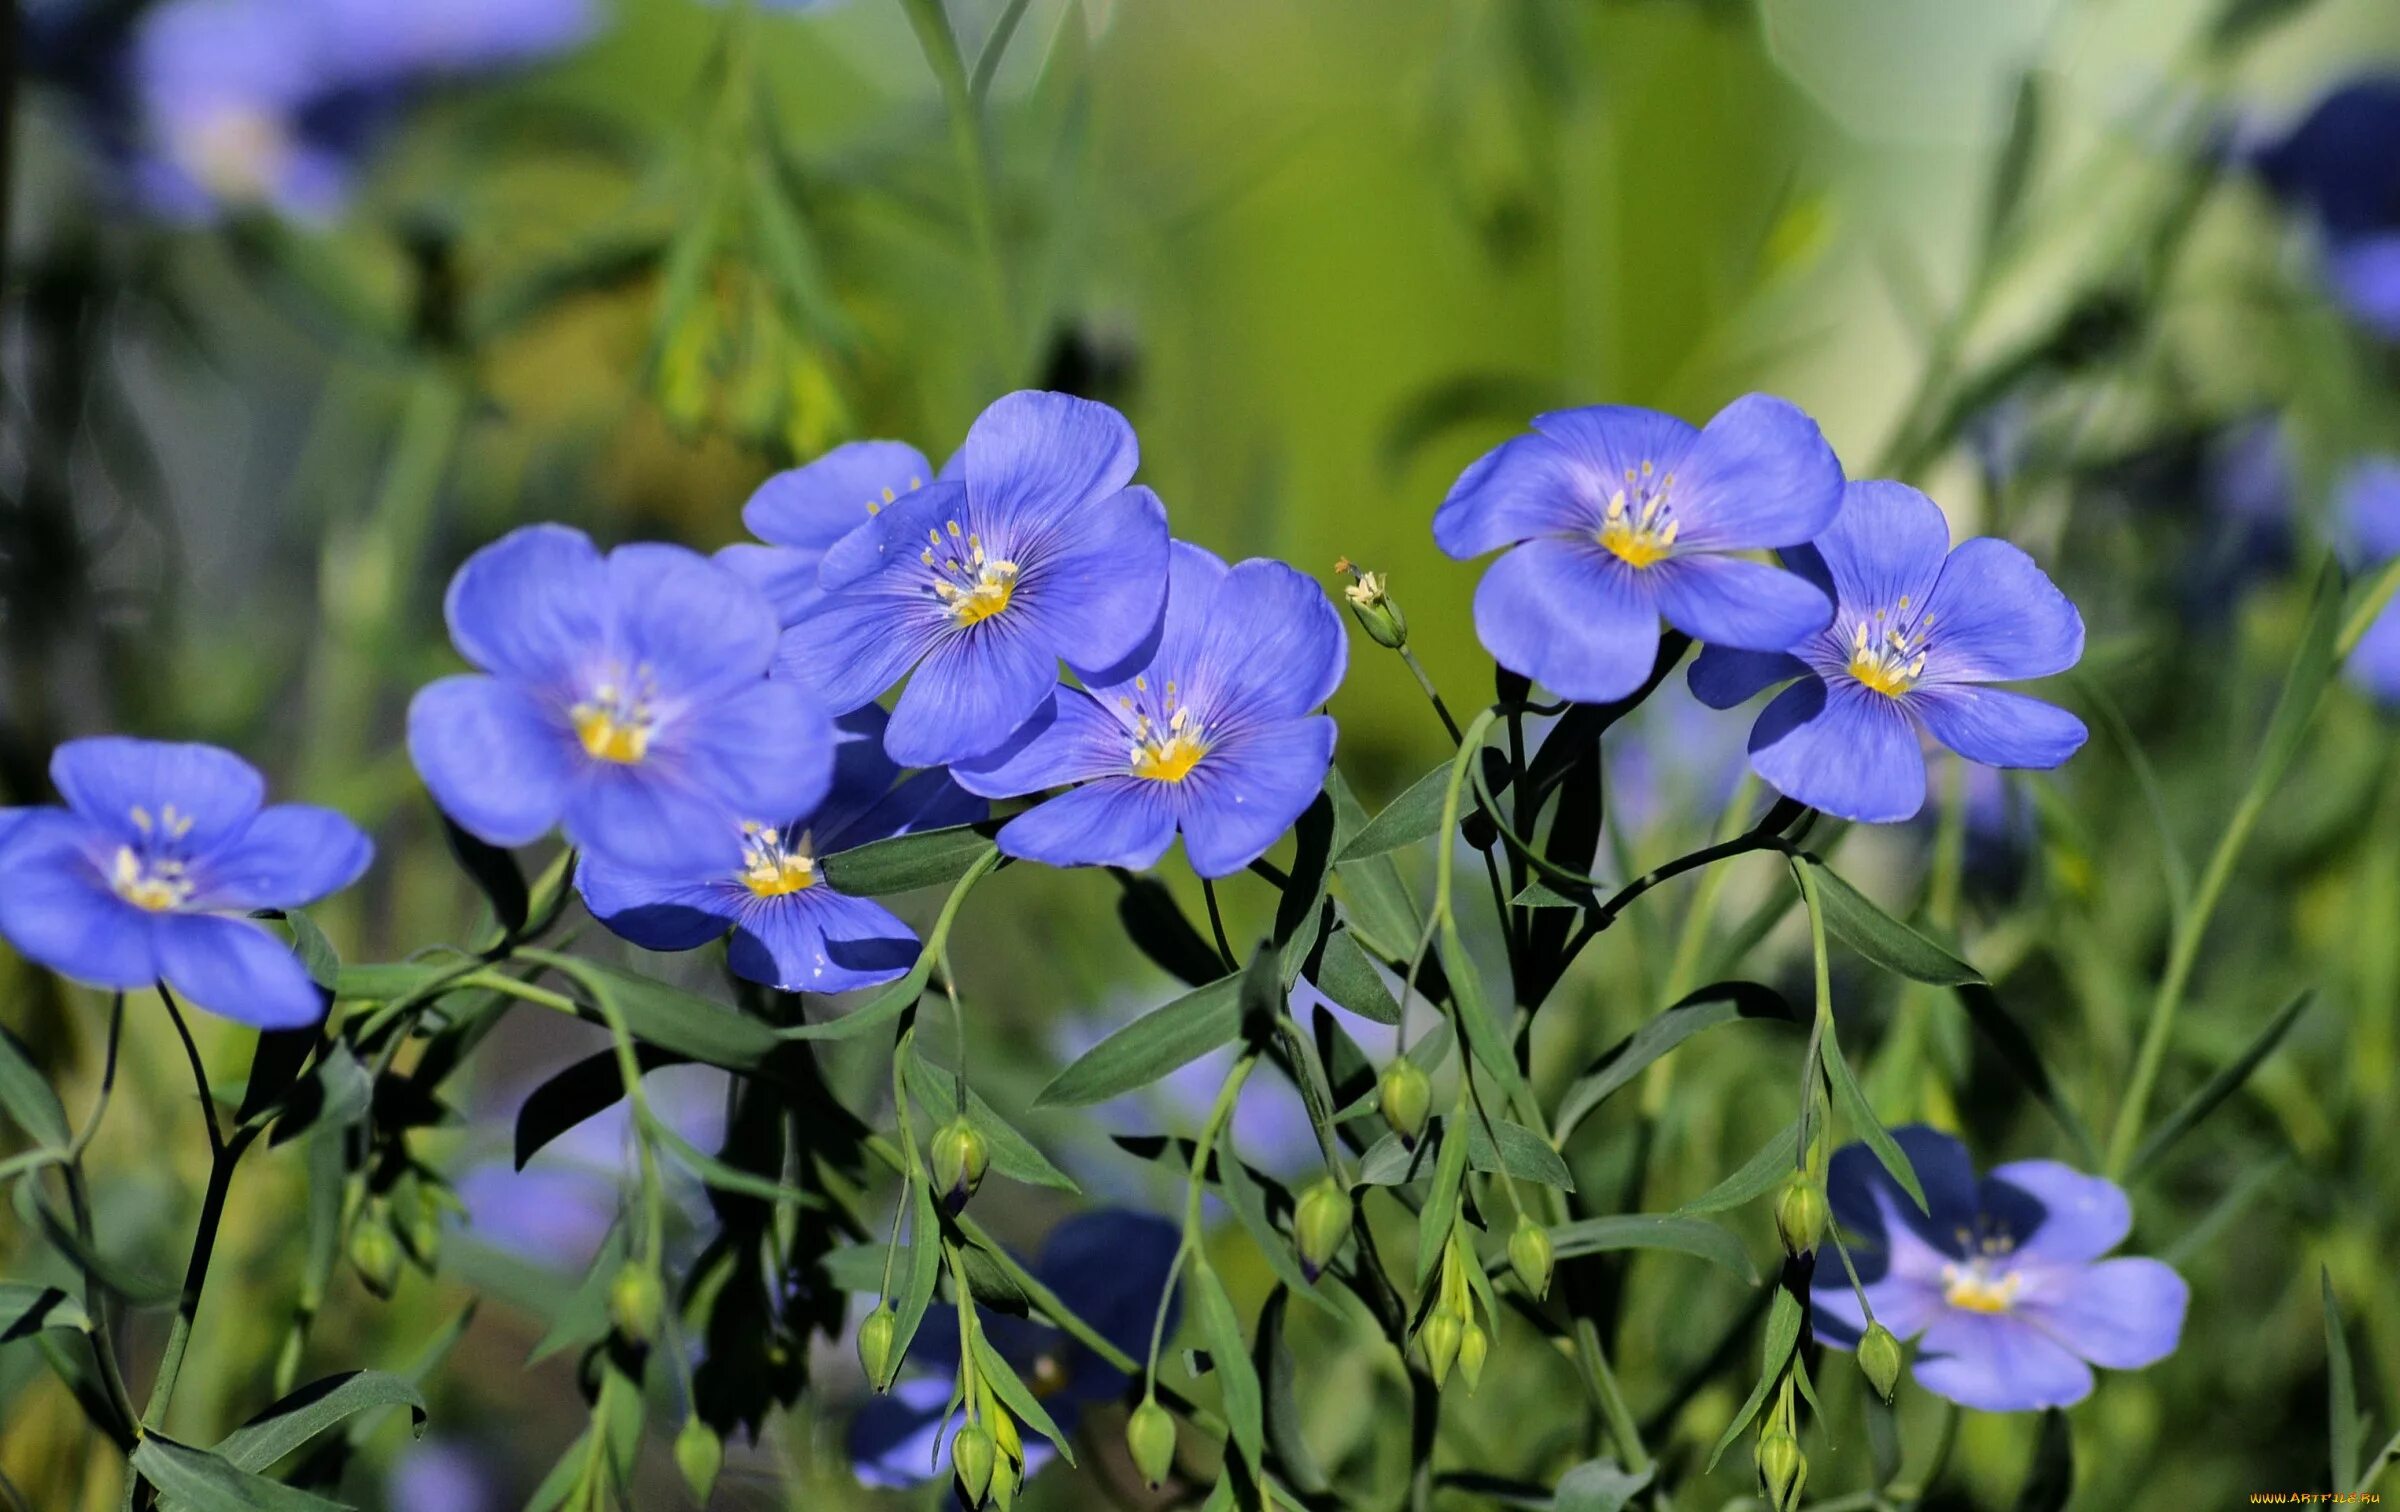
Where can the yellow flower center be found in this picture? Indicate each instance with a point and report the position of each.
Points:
(1973, 1288)
(1888, 655)
(1165, 751)
(153, 884)
(1641, 530)
(774, 864)
(614, 724)
(974, 586)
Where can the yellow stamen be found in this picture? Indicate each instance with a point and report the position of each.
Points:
(607, 737)
(1972, 1288)
(156, 887)
(1645, 537)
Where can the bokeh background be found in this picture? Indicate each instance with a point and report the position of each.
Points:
(277, 357)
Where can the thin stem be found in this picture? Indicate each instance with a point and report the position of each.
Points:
(972, 143)
(1433, 695)
(995, 47)
(958, 1033)
(191, 1051)
(1216, 925)
(95, 1296)
(108, 1079)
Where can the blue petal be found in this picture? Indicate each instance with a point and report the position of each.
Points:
(1842, 748)
(973, 690)
(863, 774)
(1722, 677)
(1034, 459)
(2367, 502)
(926, 801)
(1998, 728)
(655, 820)
(1558, 482)
(1070, 738)
(1249, 788)
(1999, 1362)
(236, 970)
(289, 856)
(2375, 663)
(2338, 159)
(656, 913)
(1098, 586)
(108, 777)
(1997, 617)
(1887, 544)
(496, 761)
(1193, 576)
(899, 1439)
(2121, 1314)
(2365, 274)
(1760, 474)
(765, 753)
(816, 505)
(533, 605)
(697, 628)
(784, 576)
(817, 940)
(856, 644)
(2055, 1212)
(1726, 601)
(1571, 617)
(1116, 821)
(1272, 648)
(894, 539)
(1114, 1262)
(1905, 1303)
(57, 908)
(1892, 1240)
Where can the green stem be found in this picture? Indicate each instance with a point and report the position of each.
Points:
(971, 141)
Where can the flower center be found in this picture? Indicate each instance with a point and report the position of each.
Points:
(974, 586)
(1165, 749)
(1639, 525)
(775, 863)
(615, 722)
(155, 884)
(1887, 651)
(1973, 1287)
(237, 152)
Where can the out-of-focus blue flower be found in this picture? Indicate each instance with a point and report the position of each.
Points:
(2004, 1276)
(1674, 760)
(1212, 734)
(790, 929)
(799, 514)
(2368, 501)
(623, 697)
(1617, 516)
(145, 874)
(1036, 552)
(1110, 1266)
(1919, 633)
(441, 1474)
(2341, 164)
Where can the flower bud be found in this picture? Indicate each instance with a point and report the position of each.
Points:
(1879, 1358)
(1007, 1476)
(1406, 1098)
(959, 1158)
(1150, 1439)
(1473, 1346)
(374, 1253)
(699, 1454)
(971, 1457)
(635, 1301)
(1321, 1224)
(1800, 1215)
(1372, 607)
(875, 1345)
(1441, 1338)
(1782, 1469)
(1531, 1256)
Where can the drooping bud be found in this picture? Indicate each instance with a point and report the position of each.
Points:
(1321, 1224)
(1473, 1346)
(875, 1345)
(1150, 1439)
(1782, 1469)
(635, 1301)
(1800, 1215)
(1879, 1358)
(1531, 1256)
(971, 1455)
(1007, 1476)
(374, 1253)
(1371, 605)
(1406, 1098)
(699, 1454)
(1441, 1337)
(959, 1158)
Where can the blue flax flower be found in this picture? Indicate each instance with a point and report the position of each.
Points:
(1214, 734)
(145, 874)
(1918, 633)
(2368, 500)
(790, 929)
(625, 697)
(2004, 1276)
(1619, 515)
(1036, 552)
(800, 513)
(1110, 1266)
(2341, 164)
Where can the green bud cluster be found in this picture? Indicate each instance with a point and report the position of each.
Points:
(1782, 1467)
(960, 1156)
(1532, 1257)
(1321, 1224)
(1800, 1214)
(1406, 1098)
(1450, 1334)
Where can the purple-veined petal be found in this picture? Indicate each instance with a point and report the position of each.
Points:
(1997, 727)
(236, 970)
(290, 855)
(1272, 648)
(2054, 1212)
(700, 630)
(1891, 1238)
(1114, 821)
(1070, 738)
(816, 505)
(1887, 544)
(766, 752)
(2365, 275)
(1610, 440)
(1726, 601)
(893, 539)
(125, 786)
(533, 605)
(1097, 588)
(2375, 664)
(57, 908)
(856, 644)
(1248, 789)
(1557, 481)
(1758, 474)
(786, 576)
(972, 691)
(1722, 677)
(656, 913)
(1571, 617)
(1843, 748)
(496, 761)
(1997, 617)
(1036, 458)
(2120, 1314)
(1999, 1362)
(817, 940)
(926, 801)
(1192, 577)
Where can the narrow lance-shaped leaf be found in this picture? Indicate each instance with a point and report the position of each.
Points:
(311, 1410)
(1237, 1379)
(1867, 929)
(2227, 1081)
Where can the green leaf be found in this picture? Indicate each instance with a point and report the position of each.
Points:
(1427, 1052)
(2346, 1438)
(1012, 1154)
(1528, 1156)
(2312, 667)
(668, 1017)
(583, 1318)
(1345, 975)
(2050, 1479)
(336, 1094)
(1484, 1035)
(1407, 819)
(1783, 1336)
(1759, 1175)
(26, 1309)
(311, 1410)
(903, 863)
(1540, 894)
(1659, 1231)
(1271, 1357)
(1237, 1378)
(2017, 1051)
(2227, 1081)
(494, 872)
(1151, 1046)
(1719, 1003)
(1867, 929)
(1599, 1485)
(1377, 901)
(137, 1286)
(395, 981)
(1853, 1103)
(922, 1276)
(1440, 1213)
(194, 1480)
(27, 1096)
(1011, 1390)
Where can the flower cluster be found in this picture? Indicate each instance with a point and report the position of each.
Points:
(1617, 517)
